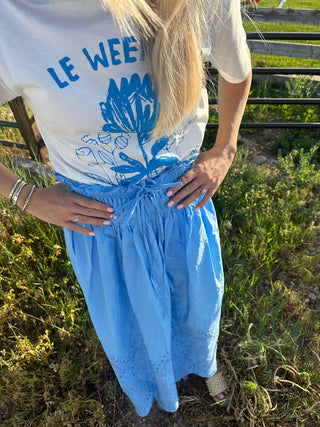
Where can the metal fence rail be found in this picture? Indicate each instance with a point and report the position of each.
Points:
(276, 101)
(275, 125)
(283, 36)
(292, 71)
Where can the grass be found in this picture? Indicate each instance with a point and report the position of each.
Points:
(295, 4)
(6, 133)
(259, 60)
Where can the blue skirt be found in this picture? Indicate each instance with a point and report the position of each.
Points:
(153, 283)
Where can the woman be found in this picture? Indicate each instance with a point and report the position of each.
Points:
(117, 91)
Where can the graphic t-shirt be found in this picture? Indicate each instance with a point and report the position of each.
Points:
(89, 87)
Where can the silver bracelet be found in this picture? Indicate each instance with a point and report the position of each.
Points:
(28, 198)
(13, 189)
(17, 193)
(17, 188)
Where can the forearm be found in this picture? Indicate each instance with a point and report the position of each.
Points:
(7, 182)
(232, 98)
(56, 204)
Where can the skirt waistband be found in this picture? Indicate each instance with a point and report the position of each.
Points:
(166, 179)
(125, 199)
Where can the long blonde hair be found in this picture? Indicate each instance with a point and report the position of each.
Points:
(172, 31)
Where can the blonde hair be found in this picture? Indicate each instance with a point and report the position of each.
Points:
(172, 30)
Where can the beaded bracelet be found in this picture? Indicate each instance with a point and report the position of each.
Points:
(17, 192)
(28, 198)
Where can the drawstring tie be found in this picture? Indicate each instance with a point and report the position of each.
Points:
(144, 189)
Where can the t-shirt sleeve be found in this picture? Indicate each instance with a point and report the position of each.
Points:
(6, 94)
(228, 46)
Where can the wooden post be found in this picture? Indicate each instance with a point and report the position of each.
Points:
(30, 134)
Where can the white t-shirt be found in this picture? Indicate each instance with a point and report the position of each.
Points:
(89, 87)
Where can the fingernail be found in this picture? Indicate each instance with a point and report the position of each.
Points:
(169, 193)
(91, 233)
(170, 204)
(109, 209)
(180, 206)
(115, 216)
(197, 208)
(106, 222)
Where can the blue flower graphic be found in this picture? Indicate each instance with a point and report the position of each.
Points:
(133, 108)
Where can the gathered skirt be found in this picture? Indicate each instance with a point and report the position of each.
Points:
(153, 284)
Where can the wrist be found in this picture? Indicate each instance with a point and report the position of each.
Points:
(224, 148)
(25, 196)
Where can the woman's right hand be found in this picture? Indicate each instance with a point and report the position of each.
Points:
(58, 205)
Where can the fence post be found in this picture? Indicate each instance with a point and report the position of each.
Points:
(30, 135)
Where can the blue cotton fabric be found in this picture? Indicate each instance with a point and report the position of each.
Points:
(153, 283)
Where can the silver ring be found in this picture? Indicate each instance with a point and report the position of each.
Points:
(202, 189)
(76, 218)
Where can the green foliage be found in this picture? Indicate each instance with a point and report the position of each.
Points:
(295, 140)
(6, 133)
(301, 87)
(265, 217)
(49, 352)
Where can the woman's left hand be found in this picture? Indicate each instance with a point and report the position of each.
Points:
(211, 167)
(204, 177)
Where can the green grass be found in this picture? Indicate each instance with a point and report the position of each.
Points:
(259, 60)
(54, 371)
(295, 4)
(6, 133)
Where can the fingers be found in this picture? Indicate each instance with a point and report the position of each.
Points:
(89, 211)
(75, 227)
(60, 206)
(92, 207)
(204, 200)
(75, 224)
(195, 183)
(94, 213)
(189, 191)
(78, 219)
(205, 177)
(90, 220)
(189, 195)
(184, 180)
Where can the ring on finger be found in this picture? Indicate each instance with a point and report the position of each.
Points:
(202, 189)
(76, 218)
